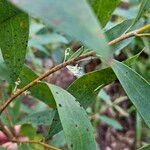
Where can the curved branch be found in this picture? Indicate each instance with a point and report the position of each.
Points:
(69, 62)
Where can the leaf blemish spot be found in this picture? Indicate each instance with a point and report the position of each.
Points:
(60, 105)
(55, 120)
(71, 145)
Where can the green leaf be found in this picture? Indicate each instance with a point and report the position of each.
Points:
(84, 88)
(39, 118)
(7, 11)
(40, 90)
(58, 140)
(147, 147)
(14, 35)
(126, 13)
(136, 87)
(49, 38)
(145, 6)
(28, 130)
(110, 122)
(132, 59)
(63, 16)
(4, 73)
(117, 31)
(104, 9)
(24, 147)
(55, 126)
(77, 128)
(105, 97)
(79, 52)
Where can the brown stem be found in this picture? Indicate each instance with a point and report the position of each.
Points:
(6, 131)
(69, 62)
(34, 82)
(10, 126)
(37, 142)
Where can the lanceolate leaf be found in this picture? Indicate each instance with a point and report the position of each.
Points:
(145, 6)
(39, 118)
(13, 38)
(116, 31)
(40, 91)
(136, 87)
(147, 147)
(85, 89)
(104, 9)
(64, 16)
(77, 128)
(55, 127)
(111, 122)
(132, 59)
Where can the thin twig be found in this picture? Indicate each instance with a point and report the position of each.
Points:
(69, 62)
(6, 131)
(37, 142)
(144, 28)
(143, 35)
(34, 82)
(130, 34)
(10, 126)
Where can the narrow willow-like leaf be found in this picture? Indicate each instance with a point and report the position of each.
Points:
(79, 52)
(55, 127)
(117, 31)
(132, 59)
(147, 147)
(40, 90)
(84, 88)
(104, 9)
(14, 28)
(39, 118)
(111, 122)
(63, 16)
(145, 6)
(136, 87)
(77, 128)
